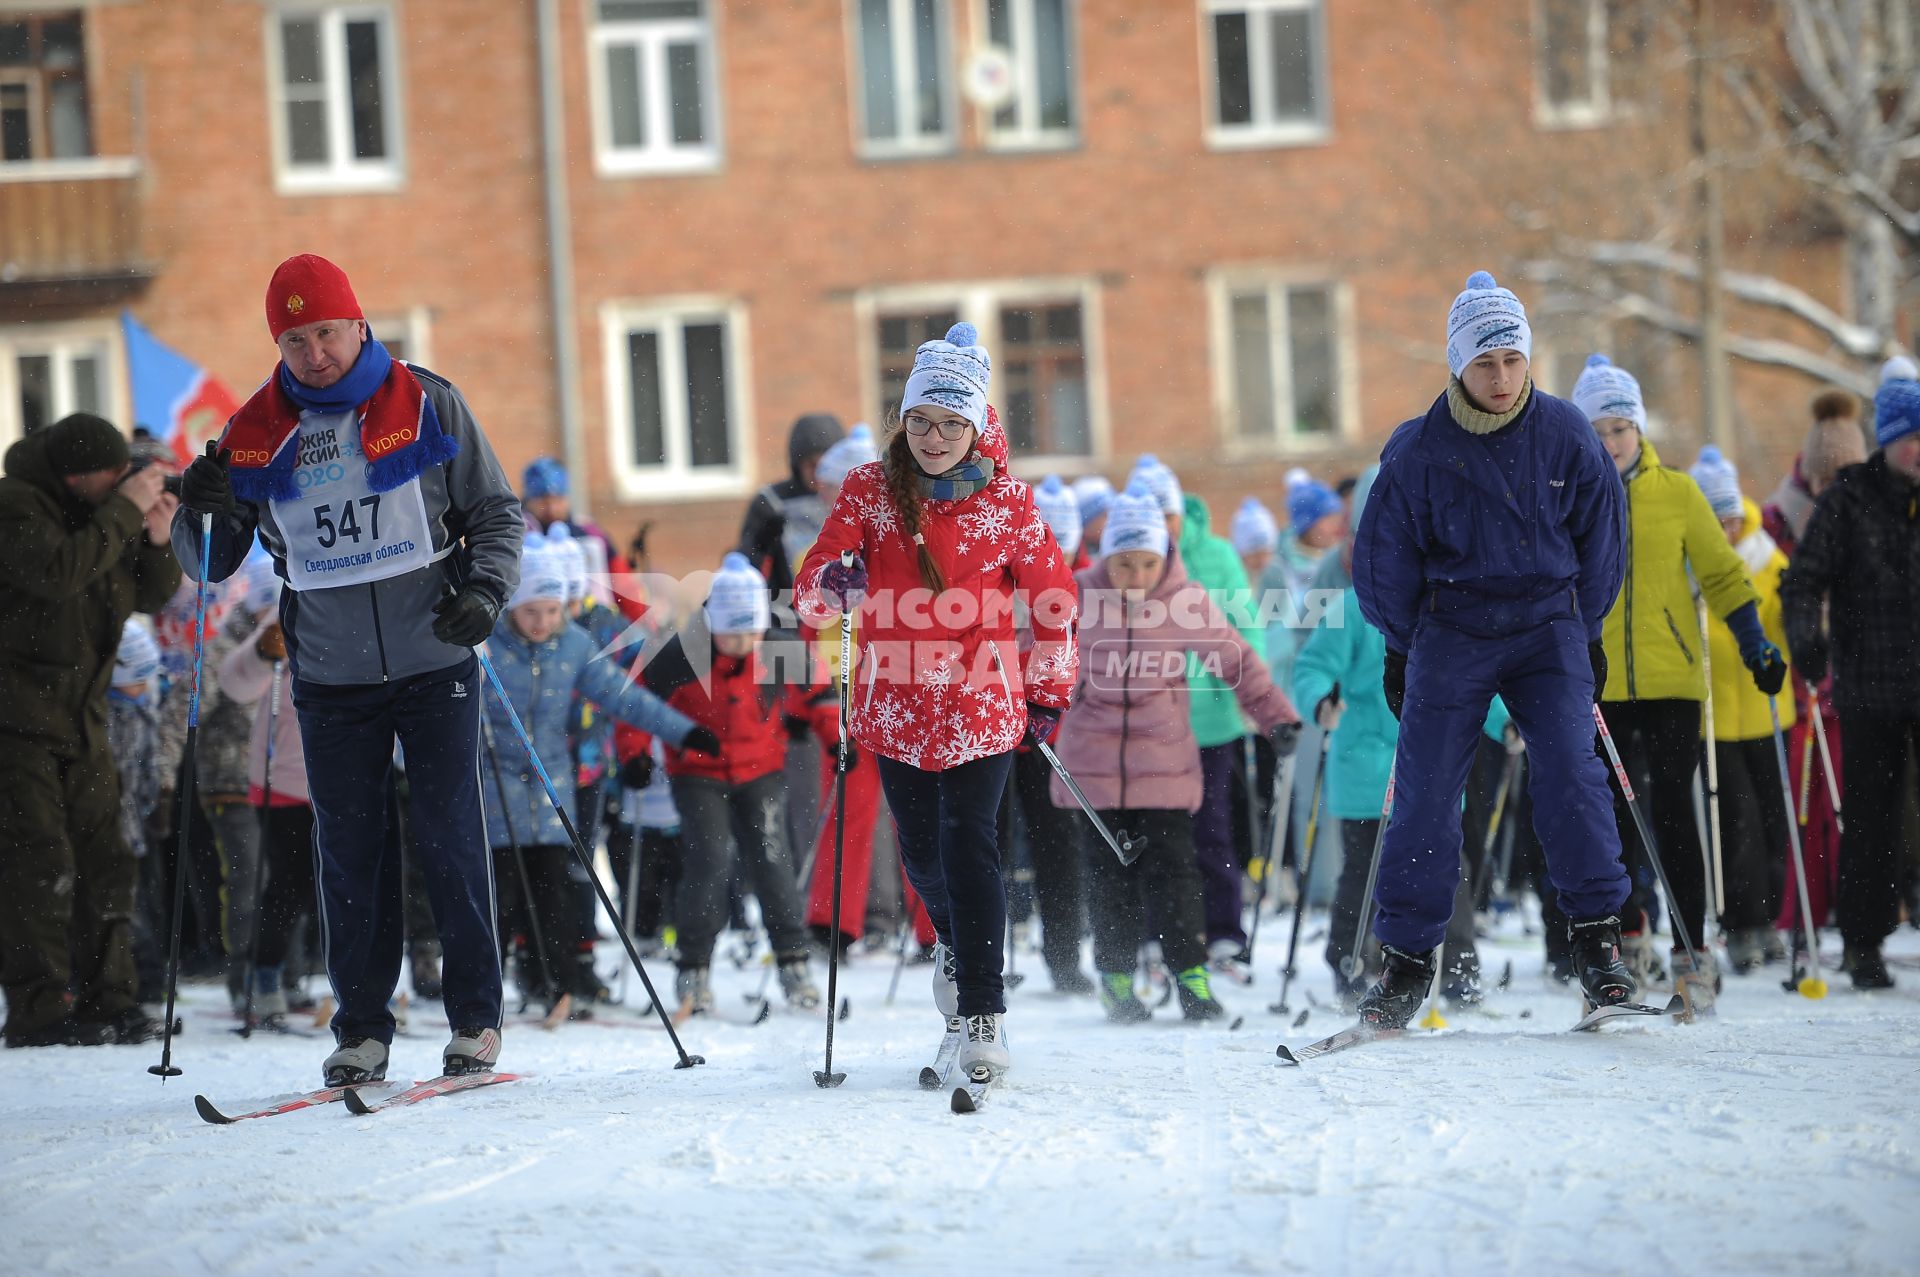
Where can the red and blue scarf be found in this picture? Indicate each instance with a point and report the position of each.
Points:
(400, 432)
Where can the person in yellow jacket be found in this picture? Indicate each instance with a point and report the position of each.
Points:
(1753, 817)
(1654, 684)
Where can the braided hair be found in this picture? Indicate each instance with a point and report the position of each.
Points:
(903, 484)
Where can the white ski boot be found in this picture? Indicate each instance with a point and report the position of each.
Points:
(984, 1046)
(472, 1050)
(796, 983)
(946, 974)
(354, 1061)
(691, 987)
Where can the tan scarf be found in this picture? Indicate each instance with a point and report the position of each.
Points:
(1475, 421)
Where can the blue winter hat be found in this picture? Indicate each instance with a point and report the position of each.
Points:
(1896, 410)
(1151, 475)
(543, 477)
(838, 461)
(1308, 501)
(1060, 512)
(954, 374)
(543, 577)
(1719, 481)
(1604, 390)
(1485, 317)
(138, 657)
(1135, 522)
(1254, 528)
(737, 603)
(1094, 494)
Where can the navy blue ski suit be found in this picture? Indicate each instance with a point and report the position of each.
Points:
(1490, 561)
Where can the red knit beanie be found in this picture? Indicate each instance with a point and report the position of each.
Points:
(306, 289)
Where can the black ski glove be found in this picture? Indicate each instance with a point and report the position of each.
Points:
(701, 740)
(1393, 681)
(1811, 660)
(637, 772)
(465, 618)
(206, 487)
(798, 728)
(1597, 658)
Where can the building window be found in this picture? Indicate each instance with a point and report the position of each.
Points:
(901, 48)
(656, 108)
(337, 113)
(406, 334)
(1282, 354)
(1267, 62)
(675, 390)
(43, 89)
(1037, 336)
(1038, 37)
(43, 378)
(1591, 59)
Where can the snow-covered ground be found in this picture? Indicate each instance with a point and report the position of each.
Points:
(1784, 1137)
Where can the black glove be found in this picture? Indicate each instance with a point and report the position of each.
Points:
(1393, 681)
(206, 488)
(702, 741)
(1597, 658)
(637, 772)
(465, 618)
(1769, 670)
(1284, 738)
(798, 728)
(1810, 659)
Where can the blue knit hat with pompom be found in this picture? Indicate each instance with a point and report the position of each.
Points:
(1605, 390)
(954, 374)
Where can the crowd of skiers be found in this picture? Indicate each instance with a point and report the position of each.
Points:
(1081, 687)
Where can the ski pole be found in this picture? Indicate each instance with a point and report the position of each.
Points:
(900, 962)
(1716, 861)
(1509, 770)
(1352, 964)
(1288, 971)
(1826, 761)
(1806, 772)
(1646, 838)
(580, 854)
(1812, 986)
(826, 1077)
(630, 906)
(1282, 803)
(1257, 867)
(266, 848)
(183, 851)
(519, 863)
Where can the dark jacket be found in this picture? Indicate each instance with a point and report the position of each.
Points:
(361, 634)
(70, 576)
(785, 517)
(1444, 535)
(1861, 554)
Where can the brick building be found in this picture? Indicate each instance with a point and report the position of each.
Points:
(1222, 230)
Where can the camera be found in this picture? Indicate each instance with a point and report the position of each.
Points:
(171, 484)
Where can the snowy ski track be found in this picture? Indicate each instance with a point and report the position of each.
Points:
(1780, 1138)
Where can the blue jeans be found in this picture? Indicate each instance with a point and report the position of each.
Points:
(349, 734)
(950, 849)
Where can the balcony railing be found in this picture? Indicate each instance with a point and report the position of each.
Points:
(70, 220)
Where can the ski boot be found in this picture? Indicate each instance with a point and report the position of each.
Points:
(471, 1050)
(691, 986)
(354, 1061)
(1195, 985)
(1772, 948)
(1605, 977)
(1869, 970)
(1401, 988)
(1071, 981)
(984, 1046)
(64, 1033)
(1642, 959)
(269, 1007)
(946, 975)
(134, 1025)
(797, 984)
(1697, 983)
(1744, 950)
(1117, 999)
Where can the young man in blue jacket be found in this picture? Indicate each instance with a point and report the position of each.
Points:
(1489, 553)
(398, 535)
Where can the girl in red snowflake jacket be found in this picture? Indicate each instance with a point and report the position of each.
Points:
(940, 539)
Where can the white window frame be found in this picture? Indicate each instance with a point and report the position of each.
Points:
(677, 480)
(978, 302)
(1026, 134)
(415, 327)
(913, 144)
(1264, 132)
(342, 172)
(1276, 281)
(652, 37)
(1597, 109)
(63, 341)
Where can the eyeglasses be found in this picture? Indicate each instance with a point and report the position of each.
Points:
(950, 429)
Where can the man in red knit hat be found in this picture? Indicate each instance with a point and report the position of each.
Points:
(398, 536)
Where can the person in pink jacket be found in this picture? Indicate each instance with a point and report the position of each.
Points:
(286, 853)
(1129, 743)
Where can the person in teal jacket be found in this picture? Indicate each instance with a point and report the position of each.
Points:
(1219, 729)
(1344, 652)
